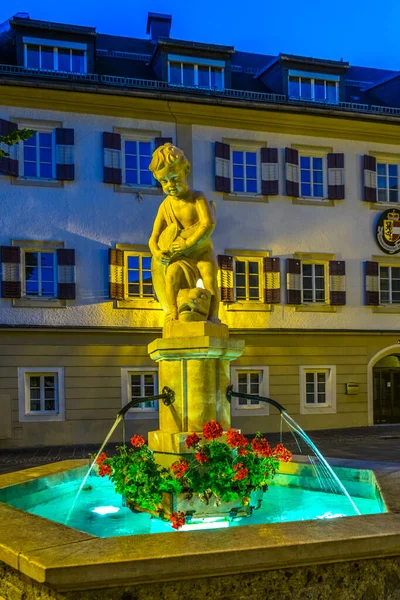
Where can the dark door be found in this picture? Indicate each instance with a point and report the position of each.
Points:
(386, 396)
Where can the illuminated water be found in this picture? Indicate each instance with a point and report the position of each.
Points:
(99, 510)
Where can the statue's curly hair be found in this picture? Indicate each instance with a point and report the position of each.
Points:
(168, 155)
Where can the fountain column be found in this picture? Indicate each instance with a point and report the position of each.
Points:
(194, 360)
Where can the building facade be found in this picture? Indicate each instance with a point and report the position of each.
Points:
(301, 157)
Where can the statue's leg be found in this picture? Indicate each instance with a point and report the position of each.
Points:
(208, 271)
(174, 281)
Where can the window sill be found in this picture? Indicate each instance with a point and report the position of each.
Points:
(55, 183)
(313, 201)
(31, 418)
(383, 205)
(317, 410)
(386, 309)
(137, 189)
(39, 303)
(245, 198)
(249, 306)
(315, 308)
(139, 303)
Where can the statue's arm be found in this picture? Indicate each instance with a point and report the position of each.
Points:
(158, 228)
(206, 223)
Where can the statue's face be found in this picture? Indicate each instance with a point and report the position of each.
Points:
(173, 180)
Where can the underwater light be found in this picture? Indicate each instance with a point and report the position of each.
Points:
(208, 523)
(330, 515)
(105, 510)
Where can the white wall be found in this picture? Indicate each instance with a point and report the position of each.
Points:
(89, 216)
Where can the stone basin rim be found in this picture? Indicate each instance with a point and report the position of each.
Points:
(79, 563)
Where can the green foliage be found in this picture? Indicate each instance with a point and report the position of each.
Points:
(14, 138)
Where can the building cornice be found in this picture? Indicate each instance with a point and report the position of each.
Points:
(217, 112)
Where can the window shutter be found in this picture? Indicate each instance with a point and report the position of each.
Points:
(116, 274)
(160, 141)
(272, 280)
(112, 157)
(65, 167)
(335, 176)
(369, 163)
(337, 275)
(269, 172)
(8, 165)
(225, 264)
(66, 288)
(10, 272)
(371, 283)
(293, 281)
(222, 167)
(292, 172)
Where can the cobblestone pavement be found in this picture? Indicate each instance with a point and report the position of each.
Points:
(378, 443)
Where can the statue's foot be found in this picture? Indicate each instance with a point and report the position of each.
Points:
(215, 320)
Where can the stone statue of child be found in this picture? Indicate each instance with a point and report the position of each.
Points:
(181, 243)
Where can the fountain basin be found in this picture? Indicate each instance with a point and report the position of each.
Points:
(37, 552)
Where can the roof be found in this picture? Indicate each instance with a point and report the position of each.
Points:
(33, 23)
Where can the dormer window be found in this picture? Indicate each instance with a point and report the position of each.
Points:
(313, 87)
(195, 72)
(55, 55)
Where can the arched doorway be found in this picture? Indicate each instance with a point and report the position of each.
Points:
(386, 389)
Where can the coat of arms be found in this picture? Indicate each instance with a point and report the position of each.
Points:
(388, 231)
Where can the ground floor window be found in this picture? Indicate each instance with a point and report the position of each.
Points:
(41, 394)
(140, 383)
(254, 381)
(318, 389)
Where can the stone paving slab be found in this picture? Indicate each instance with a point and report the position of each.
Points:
(377, 443)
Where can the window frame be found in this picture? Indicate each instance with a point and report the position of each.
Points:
(247, 259)
(311, 156)
(136, 137)
(330, 389)
(25, 414)
(39, 250)
(196, 62)
(389, 266)
(254, 410)
(126, 392)
(243, 148)
(386, 163)
(140, 255)
(326, 281)
(21, 158)
(313, 77)
(55, 45)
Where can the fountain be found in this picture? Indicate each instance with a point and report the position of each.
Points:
(109, 552)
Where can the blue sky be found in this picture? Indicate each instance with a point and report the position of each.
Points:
(363, 32)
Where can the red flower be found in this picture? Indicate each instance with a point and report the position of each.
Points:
(242, 451)
(104, 470)
(212, 430)
(260, 446)
(235, 439)
(137, 441)
(283, 453)
(201, 457)
(179, 468)
(192, 440)
(241, 472)
(177, 519)
(100, 458)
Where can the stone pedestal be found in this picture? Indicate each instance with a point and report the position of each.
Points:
(194, 361)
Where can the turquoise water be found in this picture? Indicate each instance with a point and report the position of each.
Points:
(280, 504)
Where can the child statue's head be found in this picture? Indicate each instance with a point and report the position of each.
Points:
(170, 167)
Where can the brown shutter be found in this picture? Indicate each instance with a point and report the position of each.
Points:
(337, 291)
(225, 264)
(293, 281)
(222, 167)
(269, 172)
(335, 176)
(65, 167)
(371, 283)
(292, 172)
(116, 274)
(272, 280)
(66, 287)
(369, 172)
(8, 165)
(10, 272)
(112, 157)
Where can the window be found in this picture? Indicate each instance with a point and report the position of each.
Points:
(314, 89)
(51, 55)
(189, 72)
(39, 156)
(312, 176)
(313, 276)
(250, 380)
(318, 389)
(41, 394)
(136, 159)
(388, 182)
(248, 278)
(139, 383)
(389, 285)
(139, 281)
(245, 169)
(39, 273)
